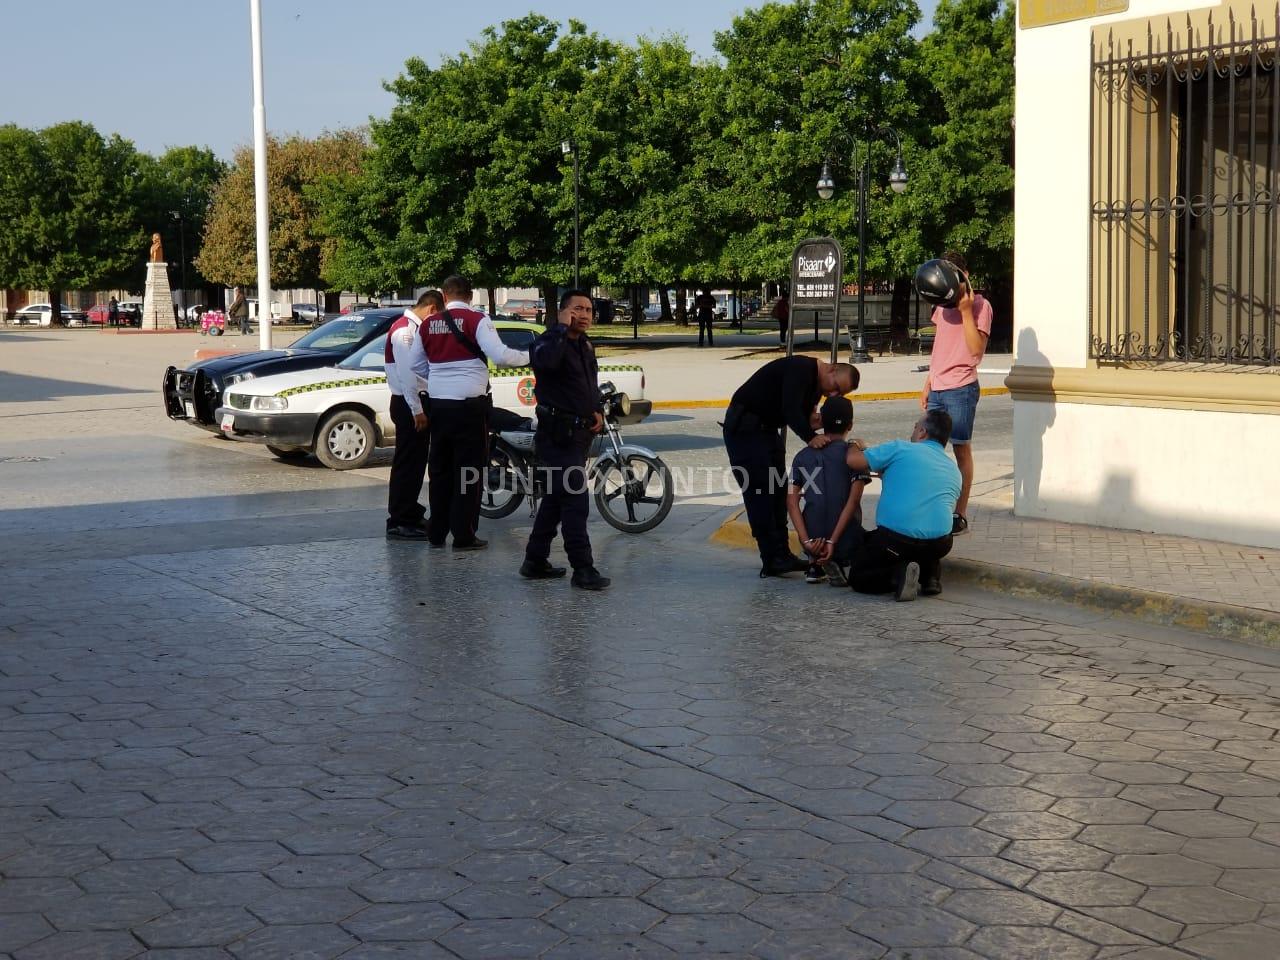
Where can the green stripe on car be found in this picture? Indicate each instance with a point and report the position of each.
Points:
(330, 384)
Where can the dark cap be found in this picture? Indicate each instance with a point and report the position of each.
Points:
(837, 414)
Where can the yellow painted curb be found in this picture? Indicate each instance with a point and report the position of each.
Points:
(735, 533)
(855, 397)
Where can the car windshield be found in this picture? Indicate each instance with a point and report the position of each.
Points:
(338, 333)
(369, 357)
(373, 354)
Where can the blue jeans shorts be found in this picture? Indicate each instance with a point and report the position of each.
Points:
(962, 404)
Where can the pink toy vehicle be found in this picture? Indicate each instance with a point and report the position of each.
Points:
(213, 323)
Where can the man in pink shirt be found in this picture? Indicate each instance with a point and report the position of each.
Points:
(952, 384)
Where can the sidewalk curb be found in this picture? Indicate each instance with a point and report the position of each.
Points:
(855, 397)
(1241, 624)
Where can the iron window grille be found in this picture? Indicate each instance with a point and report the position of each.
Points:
(1185, 132)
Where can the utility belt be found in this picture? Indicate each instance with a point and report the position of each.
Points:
(562, 426)
(738, 419)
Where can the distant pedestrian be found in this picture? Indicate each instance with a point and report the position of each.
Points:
(782, 313)
(959, 343)
(239, 310)
(704, 307)
(113, 312)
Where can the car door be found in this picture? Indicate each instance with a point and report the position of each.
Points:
(513, 387)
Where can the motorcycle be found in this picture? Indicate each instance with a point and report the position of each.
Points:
(632, 487)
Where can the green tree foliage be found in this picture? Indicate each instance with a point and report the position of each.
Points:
(690, 170)
(68, 202)
(967, 165)
(296, 170)
(175, 190)
(799, 81)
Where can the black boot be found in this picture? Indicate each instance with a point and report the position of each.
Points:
(589, 578)
(540, 570)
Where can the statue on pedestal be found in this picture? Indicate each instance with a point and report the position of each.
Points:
(157, 251)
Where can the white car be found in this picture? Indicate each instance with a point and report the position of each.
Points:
(41, 315)
(342, 413)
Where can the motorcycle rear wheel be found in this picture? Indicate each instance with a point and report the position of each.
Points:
(636, 496)
(503, 485)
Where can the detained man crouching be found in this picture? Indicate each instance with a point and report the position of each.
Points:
(919, 488)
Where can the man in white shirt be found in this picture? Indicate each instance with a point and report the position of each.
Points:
(458, 343)
(405, 513)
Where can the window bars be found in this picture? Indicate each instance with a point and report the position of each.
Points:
(1185, 138)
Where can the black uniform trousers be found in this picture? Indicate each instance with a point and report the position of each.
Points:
(408, 468)
(759, 467)
(883, 552)
(705, 324)
(566, 498)
(456, 461)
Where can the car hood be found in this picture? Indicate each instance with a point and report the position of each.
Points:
(318, 378)
(267, 359)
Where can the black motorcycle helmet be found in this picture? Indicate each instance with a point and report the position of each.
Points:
(939, 282)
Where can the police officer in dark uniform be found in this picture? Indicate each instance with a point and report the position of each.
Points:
(780, 394)
(569, 415)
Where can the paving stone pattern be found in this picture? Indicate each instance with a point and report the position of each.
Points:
(288, 752)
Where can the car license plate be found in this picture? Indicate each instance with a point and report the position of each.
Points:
(190, 409)
(228, 422)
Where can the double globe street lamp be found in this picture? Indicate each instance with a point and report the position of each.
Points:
(827, 190)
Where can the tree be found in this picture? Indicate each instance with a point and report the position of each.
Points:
(68, 202)
(297, 170)
(467, 173)
(799, 81)
(967, 62)
(175, 191)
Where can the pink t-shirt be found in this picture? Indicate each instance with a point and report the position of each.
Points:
(951, 364)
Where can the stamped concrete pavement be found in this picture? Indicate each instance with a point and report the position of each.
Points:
(350, 748)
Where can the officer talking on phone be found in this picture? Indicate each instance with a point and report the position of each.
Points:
(569, 416)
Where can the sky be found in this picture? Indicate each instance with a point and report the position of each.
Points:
(178, 72)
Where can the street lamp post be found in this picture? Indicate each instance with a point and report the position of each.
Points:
(827, 189)
(182, 262)
(568, 147)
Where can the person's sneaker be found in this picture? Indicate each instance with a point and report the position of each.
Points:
(405, 533)
(476, 544)
(783, 565)
(959, 525)
(908, 582)
(931, 586)
(835, 575)
(589, 578)
(815, 574)
(540, 570)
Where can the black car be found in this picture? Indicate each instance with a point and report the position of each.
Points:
(194, 394)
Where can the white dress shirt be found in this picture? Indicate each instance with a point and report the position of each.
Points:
(464, 379)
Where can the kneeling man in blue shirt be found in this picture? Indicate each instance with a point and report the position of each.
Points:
(920, 485)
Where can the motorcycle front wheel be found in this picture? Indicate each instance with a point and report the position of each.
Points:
(503, 485)
(636, 495)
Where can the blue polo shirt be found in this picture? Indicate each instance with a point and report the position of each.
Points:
(919, 487)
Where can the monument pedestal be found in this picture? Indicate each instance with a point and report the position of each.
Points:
(157, 300)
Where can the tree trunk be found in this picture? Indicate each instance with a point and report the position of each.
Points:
(900, 315)
(55, 304)
(682, 305)
(493, 300)
(637, 308)
(665, 316)
(550, 308)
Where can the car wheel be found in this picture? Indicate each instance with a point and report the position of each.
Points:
(345, 441)
(288, 453)
(215, 331)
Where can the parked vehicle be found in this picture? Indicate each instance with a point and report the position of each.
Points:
(362, 307)
(132, 309)
(525, 309)
(100, 314)
(41, 315)
(632, 486)
(194, 394)
(311, 313)
(342, 413)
